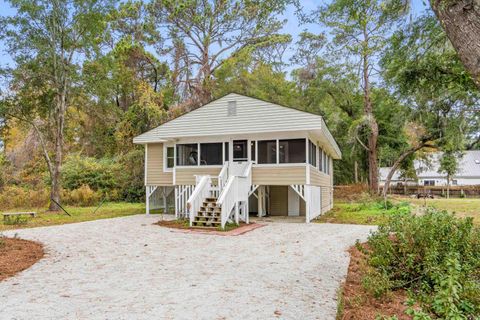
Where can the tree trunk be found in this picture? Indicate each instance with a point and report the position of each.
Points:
(448, 187)
(356, 171)
(395, 166)
(57, 162)
(373, 136)
(461, 21)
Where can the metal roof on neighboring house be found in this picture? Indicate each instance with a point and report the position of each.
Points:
(468, 167)
(238, 114)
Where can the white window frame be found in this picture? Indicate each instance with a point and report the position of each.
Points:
(165, 157)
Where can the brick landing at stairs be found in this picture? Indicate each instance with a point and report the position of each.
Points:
(235, 232)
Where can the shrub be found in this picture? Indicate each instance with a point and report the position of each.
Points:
(119, 179)
(83, 196)
(98, 174)
(436, 256)
(16, 220)
(22, 197)
(131, 176)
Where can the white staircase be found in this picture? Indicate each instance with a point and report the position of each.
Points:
(214, 206)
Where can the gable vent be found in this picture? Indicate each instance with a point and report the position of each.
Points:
(232, 108)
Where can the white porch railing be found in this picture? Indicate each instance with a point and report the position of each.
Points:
(223, 177)
(182, 194)
(201, 191)
(236, 191)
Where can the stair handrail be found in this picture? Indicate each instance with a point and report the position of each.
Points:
(223, 177)
(227, 199)
(201, 191)
(235, 190)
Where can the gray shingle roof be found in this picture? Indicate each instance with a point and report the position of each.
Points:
(469, 167)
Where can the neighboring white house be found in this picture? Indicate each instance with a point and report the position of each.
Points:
(427, 171)
(237, 156)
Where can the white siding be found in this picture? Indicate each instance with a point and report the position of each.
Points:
(252, 116)
(314, 203)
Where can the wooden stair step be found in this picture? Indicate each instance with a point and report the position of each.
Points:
(207, 222)
(200, 218)
(201, 214)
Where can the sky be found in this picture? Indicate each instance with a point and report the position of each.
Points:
(291, 26)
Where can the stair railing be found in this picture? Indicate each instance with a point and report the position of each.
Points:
(223, 177)
(201, 191)
(235, 191)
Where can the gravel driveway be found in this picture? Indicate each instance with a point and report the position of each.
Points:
(127, 268)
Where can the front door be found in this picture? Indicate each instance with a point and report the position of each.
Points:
(240, 150)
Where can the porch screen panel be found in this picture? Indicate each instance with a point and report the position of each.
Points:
(225, 150)
(210, 154)
(292, 151)
(267, 151)
(252, 150)
(312, 153)
(187, 154)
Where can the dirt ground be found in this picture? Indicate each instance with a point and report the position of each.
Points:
(358, 304)
(17, 255)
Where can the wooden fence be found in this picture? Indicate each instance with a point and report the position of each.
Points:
(438, 191)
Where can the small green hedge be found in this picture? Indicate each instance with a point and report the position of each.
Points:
(436, 257)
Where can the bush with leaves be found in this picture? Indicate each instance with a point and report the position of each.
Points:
(120, 178)
(98, 174)
(83, 196)
(436, 257)
(131, 177)
(23, 197)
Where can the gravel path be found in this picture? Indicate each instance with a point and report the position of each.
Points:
(127, 268)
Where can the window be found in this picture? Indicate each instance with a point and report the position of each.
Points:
(291, 151)
(312, 153)
(210, 154)
(328, 164)
(267, 151)
(428, 182)
(170, 157)
(252, 150)
(455, 182)
(324, 161)
(320, 160)
(187, 154)
(240, 150)
(225, 150)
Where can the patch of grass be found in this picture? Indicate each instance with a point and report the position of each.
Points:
(78, 214)
(16, 220)
(340, 304)
(365, 212)
(176, 224)
(229, 226)
(461, 207)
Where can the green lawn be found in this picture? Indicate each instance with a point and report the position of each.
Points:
(79, 214)
(462, 207)
(369, 212)
(373, 212)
